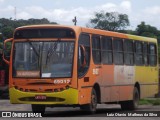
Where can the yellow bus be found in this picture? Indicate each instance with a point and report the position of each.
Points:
(56, 65)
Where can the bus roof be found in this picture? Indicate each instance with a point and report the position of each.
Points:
(117, 34)
(78, 29)
(48, 26)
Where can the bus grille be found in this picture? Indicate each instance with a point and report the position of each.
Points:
(43, 90)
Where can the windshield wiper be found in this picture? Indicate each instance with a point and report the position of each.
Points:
(52, 50)
(34, 49)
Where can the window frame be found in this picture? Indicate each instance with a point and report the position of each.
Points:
(155, 54)
(96, 50)
(138, 53)
(86, 71)
(109, 38)
(126, 52)
(146, 54)
(117, 51)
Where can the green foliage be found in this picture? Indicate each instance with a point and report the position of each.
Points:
(144, 102)
(7, 31)
(7, 26)
(112, 21)
(154, 101)
(1, 46)
(147, 30)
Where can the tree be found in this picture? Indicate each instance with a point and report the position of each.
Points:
(7, 26)
(147, 30)
(112, 21)
(7, 32)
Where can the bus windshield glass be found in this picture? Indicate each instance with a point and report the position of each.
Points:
(50, 59)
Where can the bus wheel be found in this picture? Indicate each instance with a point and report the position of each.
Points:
(136, 98)
(133, 104)
(38, 109)
(91, 107)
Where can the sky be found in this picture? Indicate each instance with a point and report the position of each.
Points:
(63, 11)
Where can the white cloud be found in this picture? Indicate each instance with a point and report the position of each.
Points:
(155, 10)
(7, 12)
(110, 7)
(126, 6)
(23, 15)
(150, 15)
(57, 15)
(123, 7)
(7, 9)
(1, 1)
(65, 16)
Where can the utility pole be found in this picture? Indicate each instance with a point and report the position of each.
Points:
(15, 13)
(75, 21)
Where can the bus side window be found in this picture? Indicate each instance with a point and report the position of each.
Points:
(152, 55)
(145, 53)
(84, 42)
(128, 52)
(107, 55)
(138, 53)
(118, 51)
(96, 49)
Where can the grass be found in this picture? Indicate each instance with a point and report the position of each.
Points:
(147, 101)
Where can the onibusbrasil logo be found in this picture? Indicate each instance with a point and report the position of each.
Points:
(20, 115)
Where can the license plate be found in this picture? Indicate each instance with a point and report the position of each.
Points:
(40, 97)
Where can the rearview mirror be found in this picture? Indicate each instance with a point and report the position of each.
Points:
(7, 49)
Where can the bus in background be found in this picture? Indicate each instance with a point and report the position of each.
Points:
(3, 77)
(55, 65)
(1, 67)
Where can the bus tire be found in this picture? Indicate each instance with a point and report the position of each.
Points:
(91, 107)
(132, 104)
(38, 109)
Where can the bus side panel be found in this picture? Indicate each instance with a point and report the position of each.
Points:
(147, 77)
(142, 77)
(124, 78)
(107, 89)
(85, 85)
(126, 92)
(85, 95)
(153, 81)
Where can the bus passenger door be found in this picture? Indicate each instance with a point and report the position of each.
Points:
(84, 72)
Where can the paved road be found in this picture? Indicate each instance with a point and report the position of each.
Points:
(75, 113)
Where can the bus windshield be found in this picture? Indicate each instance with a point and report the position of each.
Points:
(50, 59)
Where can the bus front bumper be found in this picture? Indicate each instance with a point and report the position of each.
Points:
(66, 97)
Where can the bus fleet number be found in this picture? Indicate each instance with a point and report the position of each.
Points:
(66, 81)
